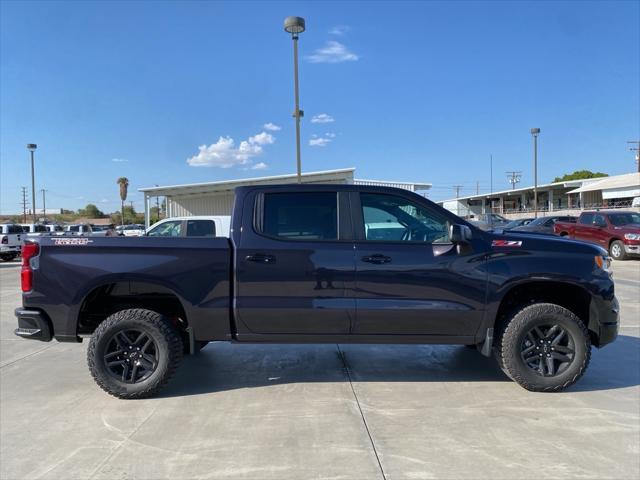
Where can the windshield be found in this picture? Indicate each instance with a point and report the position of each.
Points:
(619, 219)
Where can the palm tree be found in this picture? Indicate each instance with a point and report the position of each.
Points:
(124, 185)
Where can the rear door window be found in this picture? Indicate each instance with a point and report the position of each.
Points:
(201, 228)
(301, 216)
(586, 219)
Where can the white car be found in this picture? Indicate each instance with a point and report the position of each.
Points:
(35, 229)
(10, 241)
(81, 229)
(134, 230)
(195, 226)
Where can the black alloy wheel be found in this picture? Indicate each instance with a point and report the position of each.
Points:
(131, 356)
(548, 350)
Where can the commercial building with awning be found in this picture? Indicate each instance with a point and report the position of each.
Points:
(615, 188)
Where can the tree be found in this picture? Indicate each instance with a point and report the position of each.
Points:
(91, 211)
(580, 175)
(124, 185)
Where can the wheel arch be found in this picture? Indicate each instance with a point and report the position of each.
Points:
(113, 295)
(565, 294)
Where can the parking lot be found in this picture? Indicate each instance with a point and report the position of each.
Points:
(320, 411)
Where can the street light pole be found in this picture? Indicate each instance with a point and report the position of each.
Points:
(535, 132)
(44, 205)
(32, 148)
(294, 26)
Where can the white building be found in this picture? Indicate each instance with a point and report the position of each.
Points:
(216, 198)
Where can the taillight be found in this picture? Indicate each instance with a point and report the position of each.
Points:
(29, 250)
(5, 240)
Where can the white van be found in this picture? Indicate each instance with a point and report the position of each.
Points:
(195, 226)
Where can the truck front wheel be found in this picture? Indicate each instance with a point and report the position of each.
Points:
(544, 348)
(134, 353)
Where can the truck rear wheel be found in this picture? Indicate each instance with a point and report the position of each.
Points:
(616, 250)
(134, 353)
(544, 348)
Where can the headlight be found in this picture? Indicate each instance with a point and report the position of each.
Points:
(603, 263)
(632, 236)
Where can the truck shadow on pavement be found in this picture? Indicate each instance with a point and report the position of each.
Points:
(223, 367)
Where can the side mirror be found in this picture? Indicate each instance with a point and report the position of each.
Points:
(460, 234)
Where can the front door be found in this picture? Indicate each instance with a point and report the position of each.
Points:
(295, 268)
(410, 279)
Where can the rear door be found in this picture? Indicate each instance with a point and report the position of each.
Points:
(410, 279)
(584, 227)
(295, 269)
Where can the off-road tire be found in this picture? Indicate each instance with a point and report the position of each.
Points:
(508, 347)
(169, 352)
(616, 250)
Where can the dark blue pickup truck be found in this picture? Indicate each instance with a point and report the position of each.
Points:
(320, 264)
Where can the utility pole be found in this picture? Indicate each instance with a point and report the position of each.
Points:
(44, 204)
(477, 187)
(158, 208)
(295, 26)
(636, 149)
(25, 202)
(457, 189)
(514, 178)
(32, 148)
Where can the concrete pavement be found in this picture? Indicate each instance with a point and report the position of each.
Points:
(319, 411)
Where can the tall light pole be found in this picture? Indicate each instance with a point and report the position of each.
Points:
(44, 205)
(294, 26)
(535, 132)
(32, 148)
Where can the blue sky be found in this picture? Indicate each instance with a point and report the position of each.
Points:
(411, 91)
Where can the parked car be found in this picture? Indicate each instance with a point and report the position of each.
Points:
(617, 231)
(517, 223)
(54, 229)
(10, 241)
(79, 229)
(103, 231)
(301, 266)
(133, 230)
(544, 224)
(488, 221)
(195, 226)
(31, 229)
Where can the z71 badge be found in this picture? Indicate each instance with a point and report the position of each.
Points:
(507, 243)
(71, 241)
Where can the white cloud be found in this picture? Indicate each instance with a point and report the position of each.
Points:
(271, 127)
(332, 52)
(322, 118)
(339, 30)
(119, 160)
(224, 153)
(323, 141)
(259, 166)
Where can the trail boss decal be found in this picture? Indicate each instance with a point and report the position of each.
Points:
(71, 241)
(507, 243)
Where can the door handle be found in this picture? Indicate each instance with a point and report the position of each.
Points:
(260, 258)
(376, 258)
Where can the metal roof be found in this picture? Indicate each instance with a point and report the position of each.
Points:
(227, 185)
(629, 180)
